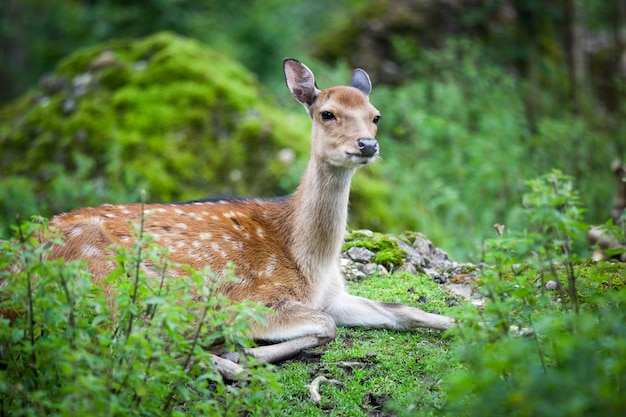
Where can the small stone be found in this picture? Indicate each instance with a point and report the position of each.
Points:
(53, 84)
(479, 302)
(422, 245)
(69, 106)
(362, 255)
(440, 256)
(105, 59)
(80, 84)
(286, 156)
(436, 276)
(364, 232)
(408, 267)
(412, 255)
(460, 290)
(551, 285)
(372, 269)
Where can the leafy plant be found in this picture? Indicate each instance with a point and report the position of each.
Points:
(549, 341)
(136, 348)
(458, 157)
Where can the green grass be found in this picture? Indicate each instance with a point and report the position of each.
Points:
(379, 370)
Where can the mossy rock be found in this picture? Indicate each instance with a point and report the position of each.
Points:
(165, 113)
(385, 246)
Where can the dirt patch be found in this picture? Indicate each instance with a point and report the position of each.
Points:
(309, 357)
(374, 404)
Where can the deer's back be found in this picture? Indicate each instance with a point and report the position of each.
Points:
(251, 234)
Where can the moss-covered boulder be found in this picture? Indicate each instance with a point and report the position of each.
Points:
(165, 114)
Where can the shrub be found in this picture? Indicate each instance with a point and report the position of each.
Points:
(71, 353)
(550, 340)
(571, 358)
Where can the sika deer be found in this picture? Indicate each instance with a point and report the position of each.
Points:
(286, 251)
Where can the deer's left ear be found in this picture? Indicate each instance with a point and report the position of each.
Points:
(300, 81)
(361, 81)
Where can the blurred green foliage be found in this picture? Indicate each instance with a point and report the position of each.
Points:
(476, 98)
(550, 339)
(462, 147)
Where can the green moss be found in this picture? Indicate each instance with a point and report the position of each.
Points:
(387, 251)
(594, 279)
(165, 113)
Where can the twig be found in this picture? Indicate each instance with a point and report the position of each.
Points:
(314, 387)
(31, 308)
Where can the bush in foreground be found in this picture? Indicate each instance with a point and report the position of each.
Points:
(550, 340)
(70, 353)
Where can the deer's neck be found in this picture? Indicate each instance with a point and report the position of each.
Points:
(320, 216)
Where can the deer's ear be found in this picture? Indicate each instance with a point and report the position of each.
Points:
(300, 81)
(361, 81)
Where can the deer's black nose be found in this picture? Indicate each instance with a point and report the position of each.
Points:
(367, 146)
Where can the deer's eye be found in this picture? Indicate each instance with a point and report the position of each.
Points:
(376, 119)
(326, 115)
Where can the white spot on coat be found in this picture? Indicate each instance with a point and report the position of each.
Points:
(271, 265)
(90, 250)
(217, 248)
(76, 230)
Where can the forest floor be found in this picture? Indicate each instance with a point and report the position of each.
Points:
(373, 372)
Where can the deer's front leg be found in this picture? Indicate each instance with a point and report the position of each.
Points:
(294, 327)
(350, 310)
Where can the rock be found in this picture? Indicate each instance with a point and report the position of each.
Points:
(412, 255)
(361, 255)
(551, 285)
(349, 269)
(110, 90)
(458, 278)
(106, 58)
(436, 275)
(373, 269)
(69, 105)
(422, 245)
(460, 290)
(364, 232)
(80, 83)
(408, 267)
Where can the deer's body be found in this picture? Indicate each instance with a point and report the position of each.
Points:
(286, 251)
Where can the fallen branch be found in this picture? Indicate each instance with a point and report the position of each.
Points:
(314, 387)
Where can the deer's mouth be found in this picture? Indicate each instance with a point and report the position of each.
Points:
(358, 159)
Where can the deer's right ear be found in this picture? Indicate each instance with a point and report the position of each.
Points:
(300, 81)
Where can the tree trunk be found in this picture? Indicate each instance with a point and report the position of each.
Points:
(576, 60)
(13, 47)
